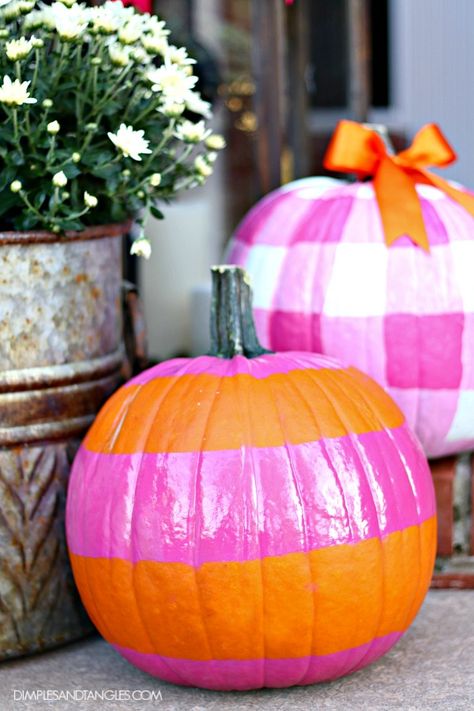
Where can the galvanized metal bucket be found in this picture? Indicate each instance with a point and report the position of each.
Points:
(60, 357)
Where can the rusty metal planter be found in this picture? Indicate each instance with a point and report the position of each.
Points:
(60, 357)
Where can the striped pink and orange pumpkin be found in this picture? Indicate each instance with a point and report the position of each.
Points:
(325, 281)
(250, 519)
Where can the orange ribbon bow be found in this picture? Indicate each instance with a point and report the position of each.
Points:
(357, 149)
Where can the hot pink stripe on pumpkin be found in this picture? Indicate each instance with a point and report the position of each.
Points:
(245, 674)
(197, 507)
(277, 217)
(260, 367)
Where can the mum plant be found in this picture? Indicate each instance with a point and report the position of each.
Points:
(100, 118)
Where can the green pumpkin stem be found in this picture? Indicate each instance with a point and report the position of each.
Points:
(232, 325)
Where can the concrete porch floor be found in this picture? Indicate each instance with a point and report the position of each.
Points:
(431, 668)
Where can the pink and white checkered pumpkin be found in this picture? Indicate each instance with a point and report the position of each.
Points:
(324, 280)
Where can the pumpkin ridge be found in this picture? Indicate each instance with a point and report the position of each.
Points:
(140, 470)
(247, 452)
(397, 452)
(362, 461)
(335, 386)
(383, 563)
(302, 507)
(356, 445)
(134, 594)
(195, 522)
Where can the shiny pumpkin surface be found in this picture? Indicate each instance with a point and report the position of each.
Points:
(256, 522)
(325, 281)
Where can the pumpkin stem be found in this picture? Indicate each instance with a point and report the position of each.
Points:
(232, 325)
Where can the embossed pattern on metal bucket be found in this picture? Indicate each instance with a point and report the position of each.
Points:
(60, 357)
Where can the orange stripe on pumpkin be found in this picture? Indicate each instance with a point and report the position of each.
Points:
(205, 412)
(288, 606)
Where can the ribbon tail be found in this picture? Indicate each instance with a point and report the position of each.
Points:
(465, 199)
(399, 204)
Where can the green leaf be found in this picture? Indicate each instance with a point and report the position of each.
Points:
(71, 170)
(7, 200)
(7, 175)
(72, 225)
(156, 213)
(106, 171)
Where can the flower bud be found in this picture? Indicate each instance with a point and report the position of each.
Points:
(53, 127)
(47, 104)
(90, 200)
(215, 142)
(202, 167)
(155, 180)
(59, 179)
(76, 157)
(16, 186)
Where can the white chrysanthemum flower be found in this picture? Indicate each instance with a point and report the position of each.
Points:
(171, 109)
(179, 56)
(132, 31)
(202, 167)
(59, 179)
(53, 127)
(140, 56)
(215, 142)
(104, 20)
(190, 132)
(119, 55)
(26, 6)
(130, 143)
(70, 22)
(154, 44)
(156, 26)
(40, 18)
(173, 82)
(90, 200)
(15, 93)
(12, 10)
(19, 48)
(196, 104)
(141, 247)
